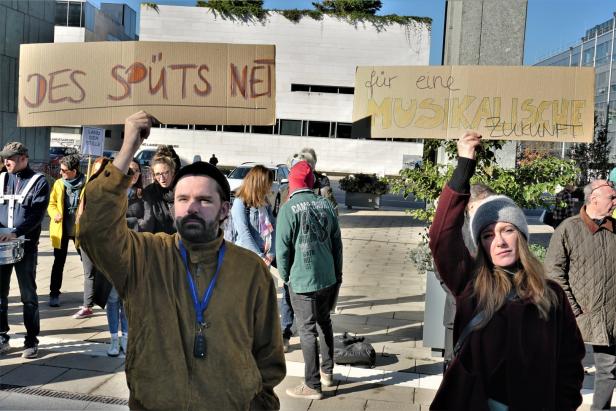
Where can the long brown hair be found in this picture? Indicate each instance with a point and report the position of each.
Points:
(255, 186)
(492, 284)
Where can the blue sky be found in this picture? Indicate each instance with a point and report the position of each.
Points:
(552, 25)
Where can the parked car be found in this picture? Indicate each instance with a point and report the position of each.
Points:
(280, 187)
(56, 153)
(145, 156)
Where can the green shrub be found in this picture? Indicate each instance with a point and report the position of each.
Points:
(364, 183)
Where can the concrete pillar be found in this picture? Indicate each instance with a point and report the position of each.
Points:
(486, 32)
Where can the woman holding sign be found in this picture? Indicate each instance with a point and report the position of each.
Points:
(517, 345)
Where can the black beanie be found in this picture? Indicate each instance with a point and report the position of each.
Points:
(201, 168)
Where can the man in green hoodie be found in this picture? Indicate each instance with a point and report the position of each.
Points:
(309, 255)
(202, 313)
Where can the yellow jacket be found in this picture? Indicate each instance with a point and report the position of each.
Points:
(56, 205)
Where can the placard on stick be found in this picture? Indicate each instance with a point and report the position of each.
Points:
(92, 141)
(501, 102)
(178, 83)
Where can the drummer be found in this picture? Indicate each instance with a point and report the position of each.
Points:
(24, 195)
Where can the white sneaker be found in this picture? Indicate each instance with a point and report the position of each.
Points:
(4, 346)
(124, 343)
(114, 347)
(30, 352)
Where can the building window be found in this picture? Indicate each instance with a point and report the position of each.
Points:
(311, 88)
(74, 14)
(603, 53)
(234, 129)
(207, 127)
(318, 128)
(343, 130)
(587, 56)
(575, 59)
(300, 87)
(66, 130)
(61, 13)
(262, 129)
(107, 133)
(291, 127)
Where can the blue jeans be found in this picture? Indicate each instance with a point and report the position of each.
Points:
(605, 376)
(312, 309)
(286, 313)
(115, 313)
(25, 271)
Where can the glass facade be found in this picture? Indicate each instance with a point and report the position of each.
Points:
(596, 49)
(83, 14)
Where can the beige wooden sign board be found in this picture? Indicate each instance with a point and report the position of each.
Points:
(501, 102)
(178, 83)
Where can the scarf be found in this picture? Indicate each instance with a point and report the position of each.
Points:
(265, 229)
(73, 189)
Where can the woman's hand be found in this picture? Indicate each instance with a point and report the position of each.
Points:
(267, 259)
(468, 143)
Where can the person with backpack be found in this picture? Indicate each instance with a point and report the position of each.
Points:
(251, 214)
(517, 345)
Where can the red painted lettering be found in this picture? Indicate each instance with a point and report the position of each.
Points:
(236, 82)
(52, 87)
(123, 83)
(41, 90)
(183, 67)
(208, 87)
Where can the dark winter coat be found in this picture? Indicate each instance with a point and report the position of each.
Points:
(158, 210)
(582, 259)
(532, 363)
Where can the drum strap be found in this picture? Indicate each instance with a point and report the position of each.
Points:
(11, 198)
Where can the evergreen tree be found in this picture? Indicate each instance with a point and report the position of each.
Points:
(593, 159)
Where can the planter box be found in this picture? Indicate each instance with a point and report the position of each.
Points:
(362, 200)
(433, 329)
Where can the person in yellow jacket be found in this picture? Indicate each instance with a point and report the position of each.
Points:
(63, 203)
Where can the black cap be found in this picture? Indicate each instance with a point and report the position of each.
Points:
(201, 168)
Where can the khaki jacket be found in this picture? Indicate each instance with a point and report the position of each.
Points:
(244, 359)
(582, 259)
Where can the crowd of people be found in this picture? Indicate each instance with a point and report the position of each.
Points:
(191, 279)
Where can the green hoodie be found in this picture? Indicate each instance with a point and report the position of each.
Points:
(308, 243)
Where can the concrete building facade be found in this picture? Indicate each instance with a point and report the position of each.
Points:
(315, 75)
(22, 21)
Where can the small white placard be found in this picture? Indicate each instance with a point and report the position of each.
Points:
(92, 141)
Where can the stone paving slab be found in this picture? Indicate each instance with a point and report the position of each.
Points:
(32, 375)
(79, 381)
(114, 386)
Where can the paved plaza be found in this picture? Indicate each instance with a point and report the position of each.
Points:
(382, 298)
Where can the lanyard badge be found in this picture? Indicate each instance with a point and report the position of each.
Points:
(199, 348)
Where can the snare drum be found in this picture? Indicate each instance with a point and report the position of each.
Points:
(12, 251)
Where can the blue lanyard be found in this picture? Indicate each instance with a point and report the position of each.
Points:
(200, 307)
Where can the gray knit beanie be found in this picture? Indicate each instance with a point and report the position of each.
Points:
(495, 209)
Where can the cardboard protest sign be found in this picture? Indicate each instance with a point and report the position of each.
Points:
(92, 141)
(178, 83)
(505, 103)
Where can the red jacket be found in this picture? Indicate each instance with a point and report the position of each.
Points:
(536, 364)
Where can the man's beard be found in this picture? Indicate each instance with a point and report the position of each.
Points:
(195, 229)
